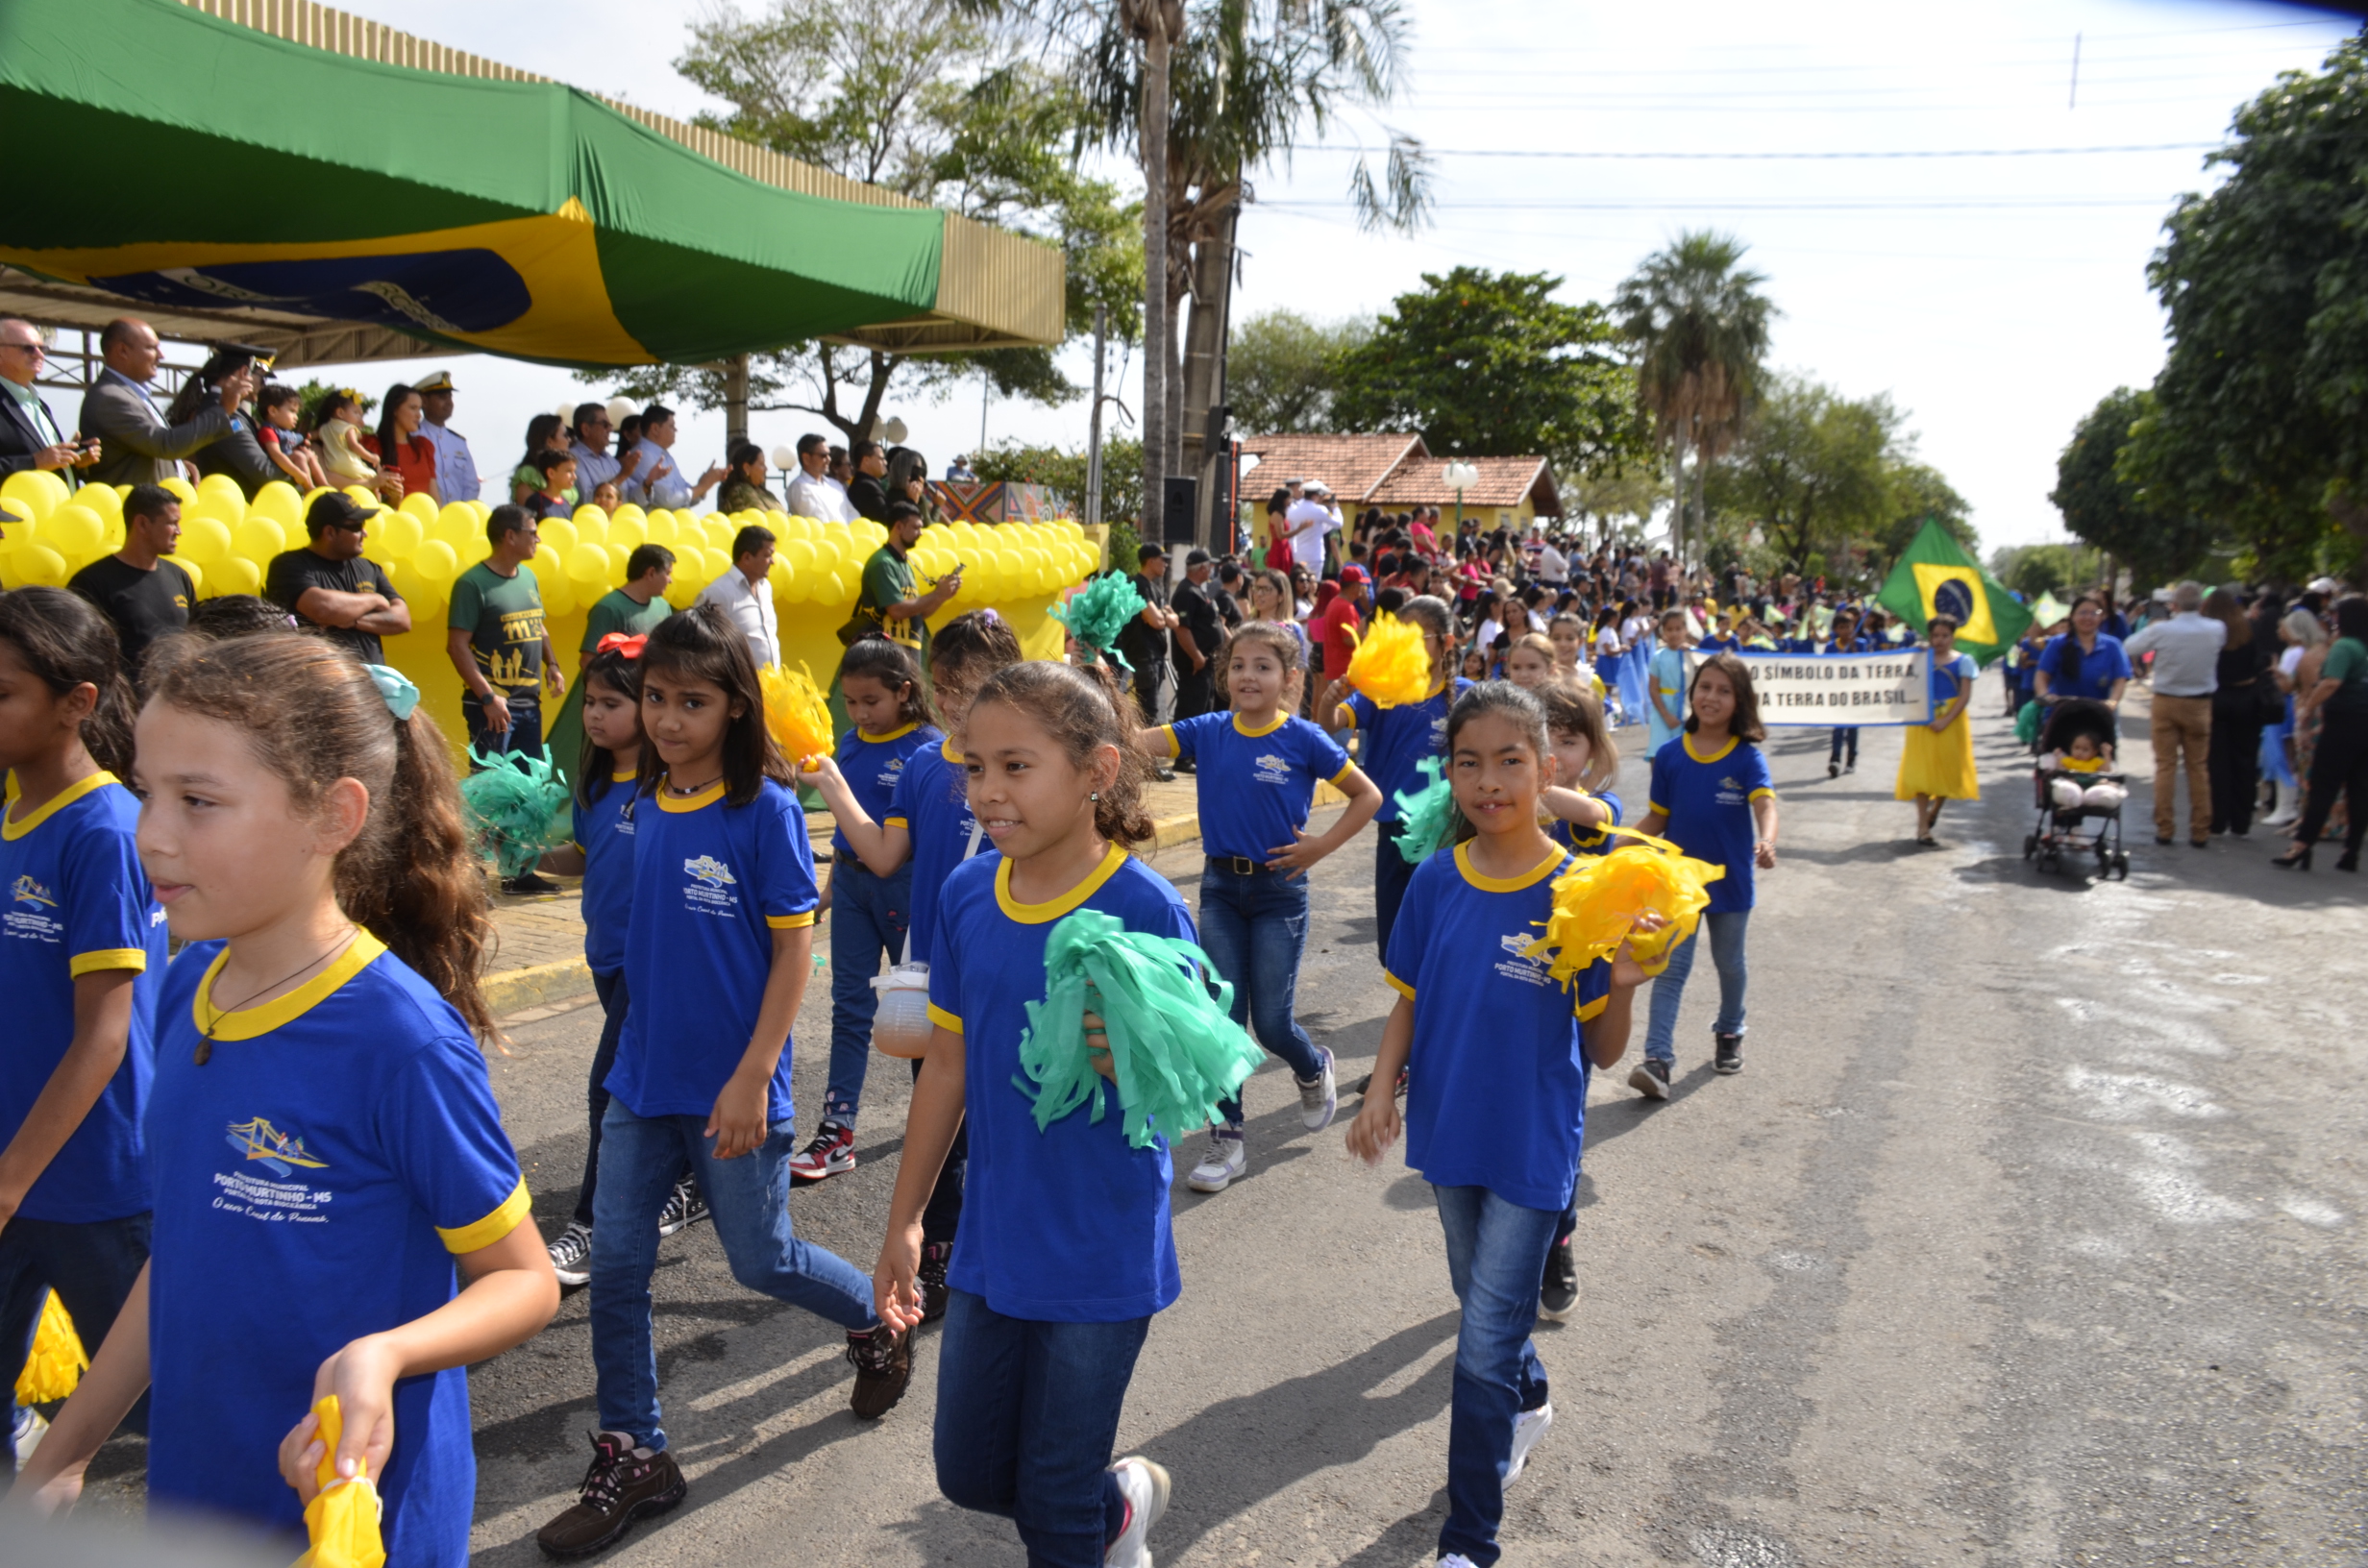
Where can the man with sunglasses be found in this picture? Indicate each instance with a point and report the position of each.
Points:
(329, 587)
(594, 467)
(30, 434)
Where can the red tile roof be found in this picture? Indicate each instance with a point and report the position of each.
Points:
(1503, 481)
(1354, 466)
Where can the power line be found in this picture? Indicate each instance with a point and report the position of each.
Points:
(1942, 152)
(1753, 204)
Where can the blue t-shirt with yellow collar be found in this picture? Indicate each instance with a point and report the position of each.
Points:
(1590, 841)
(1257, 786)
(932, 804)
(314, 1180)
(1069, 1224)
(78, 904)
(605, 833)
(1499, 1071)
(873, 765)
(1706, 798)
(711, 883)
(1397, 739)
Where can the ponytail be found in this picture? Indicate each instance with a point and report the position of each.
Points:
(419, 889)
(63, 643)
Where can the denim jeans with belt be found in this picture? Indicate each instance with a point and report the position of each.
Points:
(640, 1157)
(868, 918)
(92, 1264)
(1726, 933)
(1254, 929)
(1027, 1414)
(1495, 1253)
(525, 735)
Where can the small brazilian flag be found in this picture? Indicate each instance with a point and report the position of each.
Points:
(1936, 576)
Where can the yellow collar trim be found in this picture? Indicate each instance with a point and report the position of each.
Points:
(1054, 909)
(624, 776)
(1280, 720)
(1508, 883)
(897, 734)
(250, 1023)
(12, 829)
(1714, 756)
(945, 749)
(700, 801)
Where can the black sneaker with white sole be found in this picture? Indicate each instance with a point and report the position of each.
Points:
(571, 1255)
(1730, 1053)
(935, 1256)
(1558, 1291)
(686, 1206)
(1651, 1079)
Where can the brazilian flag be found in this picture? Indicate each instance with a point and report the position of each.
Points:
(1936, 576)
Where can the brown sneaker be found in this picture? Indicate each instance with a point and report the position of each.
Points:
(934, 1258)
(618, 1489)
(883, 1360)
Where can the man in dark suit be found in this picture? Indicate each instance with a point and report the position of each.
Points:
(869, 496)
(30, 434)
(136, 446)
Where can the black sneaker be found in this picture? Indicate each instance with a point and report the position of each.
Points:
(934, 1257)
(571, 1255)
(686, 1206)
(1730, 1053)
(528, 882)
(624, 1485)
(883, 1362)
(1559, 1293)
(1651, 1079)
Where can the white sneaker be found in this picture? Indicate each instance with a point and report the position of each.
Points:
(31, 1428)
(1221, 1164)
(1319, 1097)
(1454, 1559)
(1527, 1427)
(1144, 1486)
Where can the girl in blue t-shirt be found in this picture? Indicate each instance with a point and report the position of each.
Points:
(1499, 1056)
(1256, 771)
(930, 826)
(1843, 639)
(1713, 797)
(1396, 740)
(869, 912)
(602, 853)
(79, 957)
(325, 1144)
(1065, 1251)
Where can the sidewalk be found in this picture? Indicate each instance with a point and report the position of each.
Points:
(538, 951)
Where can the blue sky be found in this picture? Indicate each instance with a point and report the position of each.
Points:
(1995, 297)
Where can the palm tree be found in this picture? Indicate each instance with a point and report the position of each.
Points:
(1700, 325)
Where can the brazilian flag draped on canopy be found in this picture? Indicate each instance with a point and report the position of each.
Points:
(208, 164)
(1937, 577)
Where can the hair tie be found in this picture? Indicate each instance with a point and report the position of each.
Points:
(629, 647)
(395, 690)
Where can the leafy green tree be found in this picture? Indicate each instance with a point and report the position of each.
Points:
(1489, 364)
(1281, 369)
(2260, 416)
(1920, 491)
(1815, 470)
(2032, 569)
(1014, 462)
(2100, 502)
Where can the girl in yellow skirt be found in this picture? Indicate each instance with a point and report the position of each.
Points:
(1936, 766)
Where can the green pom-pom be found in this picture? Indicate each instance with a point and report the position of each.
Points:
(1096, 616)
(518, 804)
(1176, 1053)
(1427, 816)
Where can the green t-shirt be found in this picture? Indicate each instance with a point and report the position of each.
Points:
(2347, 662)
(531, 477)
(888, 579)
(503, 618)
(617, 612)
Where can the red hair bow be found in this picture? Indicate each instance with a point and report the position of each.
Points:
(629, 647)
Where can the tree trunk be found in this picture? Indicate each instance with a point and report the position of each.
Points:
(1677, 505)
(1156, 353)
(735, 400)
(1204, 355)
(1701, 505)
(1172, 419)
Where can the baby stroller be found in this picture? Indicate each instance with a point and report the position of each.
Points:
(2084, 828)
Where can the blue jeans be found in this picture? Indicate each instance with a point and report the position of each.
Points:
(868, 918)
(92, 1265)
(1391, 875)
(1495, 1253)
(750, 1199)
(1027, 1414)
(1254, 929)
(525, 734)
(1726, 934)
(1845, 738)
(610, 989)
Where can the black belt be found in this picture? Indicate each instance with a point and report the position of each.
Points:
(1240, 865)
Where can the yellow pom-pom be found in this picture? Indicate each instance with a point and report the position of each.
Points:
(795, 712)
(1390, 665)
(341, 1522)
(1597, 901)
(57, 1363)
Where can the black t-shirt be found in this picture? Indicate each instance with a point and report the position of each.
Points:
(143, 606)
(240, 456)
(295, 571)
(1196, 607)
(1138, 643)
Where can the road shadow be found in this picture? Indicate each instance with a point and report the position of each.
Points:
(1409, 1539)
(1617, 1118)
(1858, 854)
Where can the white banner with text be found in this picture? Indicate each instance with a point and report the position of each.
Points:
(1840, 688)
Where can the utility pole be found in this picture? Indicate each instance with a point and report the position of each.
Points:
(1093, 440)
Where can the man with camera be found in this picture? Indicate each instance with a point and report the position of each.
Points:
(136, 446)
(30, 434)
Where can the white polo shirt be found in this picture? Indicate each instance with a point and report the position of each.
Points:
(750, 609)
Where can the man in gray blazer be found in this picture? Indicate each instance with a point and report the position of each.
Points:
(137, 447)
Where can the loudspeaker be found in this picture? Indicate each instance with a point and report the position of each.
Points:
(1179, 504)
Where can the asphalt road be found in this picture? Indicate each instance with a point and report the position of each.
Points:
(2029, 1235)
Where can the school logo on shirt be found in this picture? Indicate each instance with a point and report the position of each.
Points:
(26, 891)
(708, 891)
(1515, 966)
(709, 871)
(28, 913)
(276, 1151)
(1272, 770)
(1730, 791)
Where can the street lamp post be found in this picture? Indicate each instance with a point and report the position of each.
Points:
(1460, 477)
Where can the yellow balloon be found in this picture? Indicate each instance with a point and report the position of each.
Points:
(40, 567)
(588, 564)
(619, 558)
(661, 527)
(279, 502)
(257, 539)
(833, 589)
(181, 487)
(559, 533)
(436, 562)
(204, 538)
(630, 509)
(454, 525)
(593, 530)
(629, 532)
(425, 595)
(801, 556)
(475, 551)
(560, 598)
(73, 530)
(100, 499)
(197, 574)
(114, 541)
(224, 489)
(29, 488)
(682, 591)
(788, 588)
(399, 531)
(233, 575)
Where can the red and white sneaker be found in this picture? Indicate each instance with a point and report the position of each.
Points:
(832, 1153)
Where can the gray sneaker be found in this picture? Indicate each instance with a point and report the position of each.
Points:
(1221, 1164)
(1651, 1079)
(1319, 1097)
